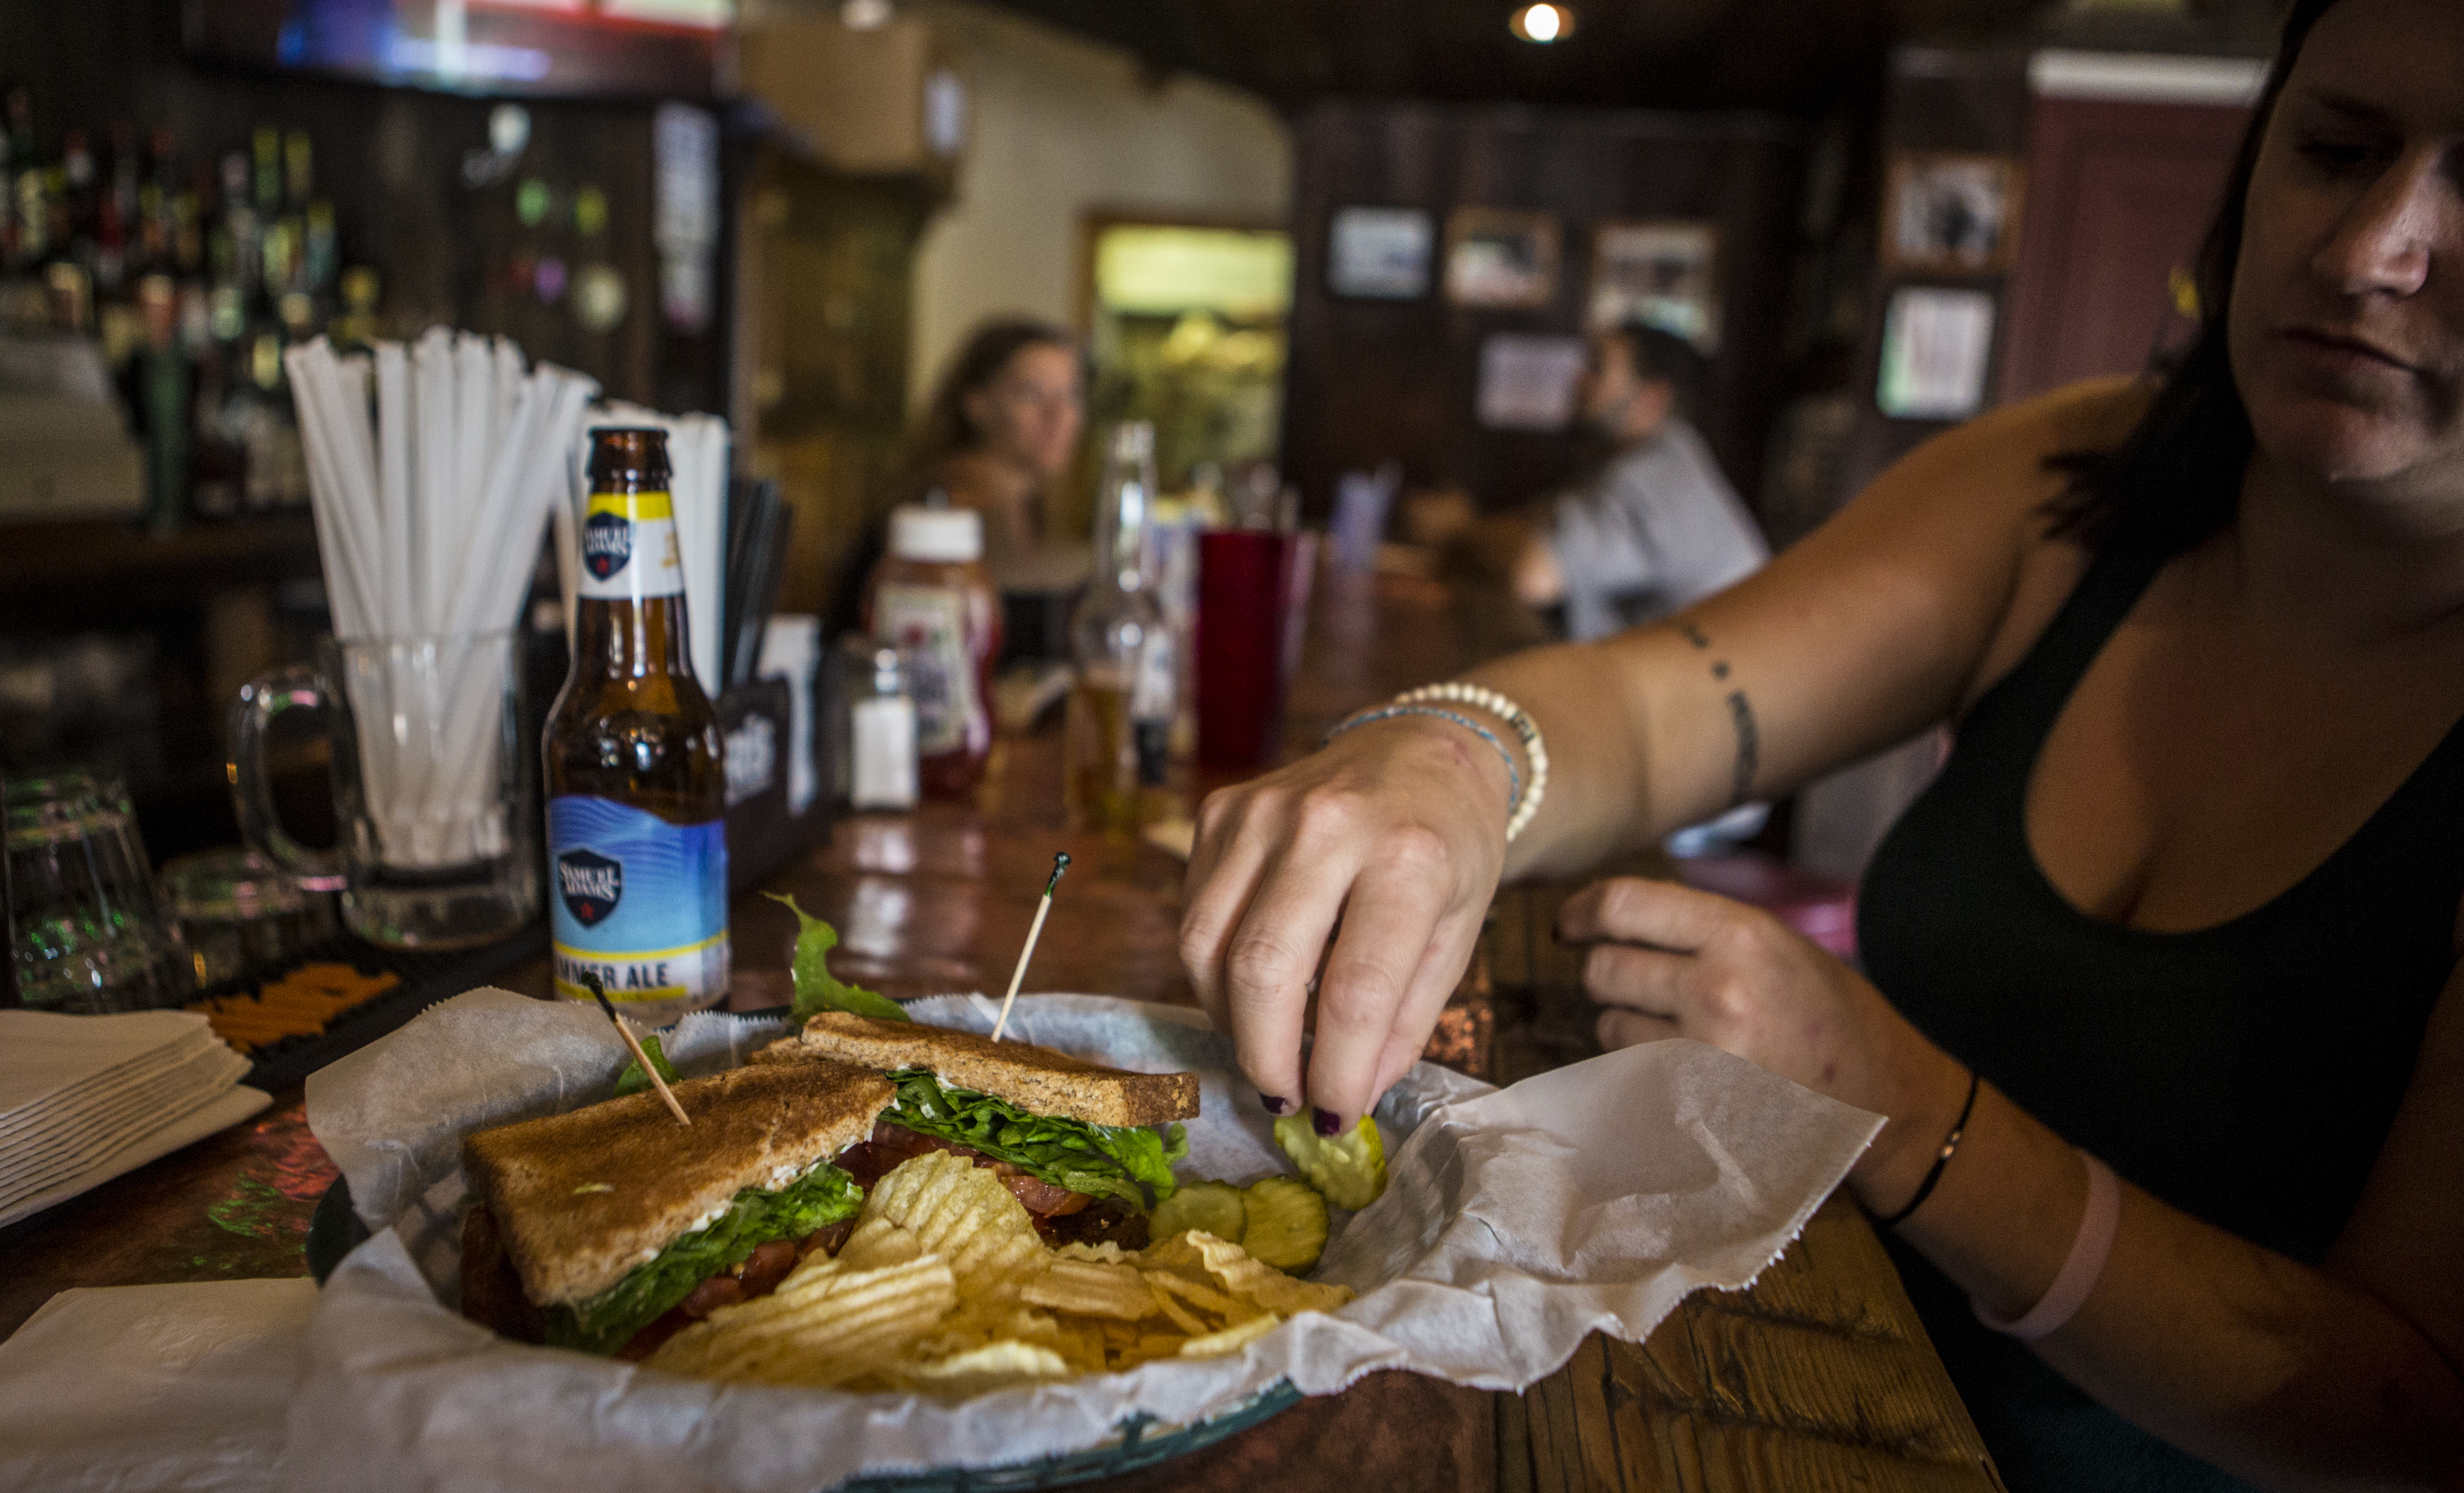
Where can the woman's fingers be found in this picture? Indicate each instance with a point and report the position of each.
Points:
(1622, 1028)
(1651, 981)
(1272, 955)
(1224, 867)
(1389, 929)
(1632, 910)
(1441, 970)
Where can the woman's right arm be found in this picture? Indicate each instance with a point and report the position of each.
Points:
(1888, 619)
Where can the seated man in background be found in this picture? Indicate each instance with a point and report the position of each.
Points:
(1656, 527)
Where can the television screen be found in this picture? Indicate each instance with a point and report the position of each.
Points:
(551, 48)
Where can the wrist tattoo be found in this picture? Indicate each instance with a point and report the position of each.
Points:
(1741, 716)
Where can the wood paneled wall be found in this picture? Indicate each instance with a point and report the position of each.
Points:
(1371, 381)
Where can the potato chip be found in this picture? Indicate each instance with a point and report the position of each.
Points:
(961, 1213)
(1203, 1296)
(1200, 1256)
(1091, 1289)
(994, 1366)
(876, 1243)
(1232, 1339)
(842, 1325)
(1187, 1321)
(1106, 1252)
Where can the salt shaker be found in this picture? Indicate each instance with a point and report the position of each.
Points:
(881, 729)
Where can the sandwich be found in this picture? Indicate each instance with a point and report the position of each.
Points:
(1073, 1140)
(611, 1228)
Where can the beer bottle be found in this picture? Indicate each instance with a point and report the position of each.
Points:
(636, 782)
(1118, 735)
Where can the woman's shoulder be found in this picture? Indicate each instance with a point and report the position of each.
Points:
(1962, 524)
(2010, 448)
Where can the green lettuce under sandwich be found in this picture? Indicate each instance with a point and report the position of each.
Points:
(614, 1219)
(1068, 1129)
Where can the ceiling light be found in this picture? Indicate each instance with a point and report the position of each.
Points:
(1541, 23)
(864, 14)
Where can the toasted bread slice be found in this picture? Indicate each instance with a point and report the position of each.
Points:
(1035, 1078)
(584, 1197)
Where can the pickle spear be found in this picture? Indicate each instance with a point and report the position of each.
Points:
(1214, 1206)
(1350, 1169)
(1287, 1223)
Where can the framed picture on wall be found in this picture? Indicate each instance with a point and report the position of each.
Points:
(1663, 274)
(1946, 213)
(1501, 259)
(1936, 346)
(1380, 253)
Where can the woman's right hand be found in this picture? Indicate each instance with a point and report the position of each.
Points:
(1397, 830)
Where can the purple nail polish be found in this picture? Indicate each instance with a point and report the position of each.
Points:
(1274, 1105)
(1326, 1122)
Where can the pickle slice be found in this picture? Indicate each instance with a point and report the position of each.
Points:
(1350, 1170)
(1214, 1206)
(1287, 1224)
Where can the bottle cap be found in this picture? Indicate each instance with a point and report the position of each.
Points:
(943, 536)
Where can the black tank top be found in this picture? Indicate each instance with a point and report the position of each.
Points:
(2246, 1072)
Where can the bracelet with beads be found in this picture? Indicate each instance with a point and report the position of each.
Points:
(1534, 747)
(1513, 777)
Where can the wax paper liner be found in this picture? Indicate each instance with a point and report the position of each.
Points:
(1517, 1221)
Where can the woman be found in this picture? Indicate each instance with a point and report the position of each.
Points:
(1001, 427)
(2186, 897)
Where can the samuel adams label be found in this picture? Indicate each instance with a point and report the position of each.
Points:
(590, 883)
(636, 775)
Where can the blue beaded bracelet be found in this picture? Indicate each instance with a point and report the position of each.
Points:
(1513, 775)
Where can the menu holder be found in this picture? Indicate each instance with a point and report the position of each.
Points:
(763, 833)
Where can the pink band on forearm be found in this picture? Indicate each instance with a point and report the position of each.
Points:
(2080, 1271)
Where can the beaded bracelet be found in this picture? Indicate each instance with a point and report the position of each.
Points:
(1534, 747)
(1513, 777)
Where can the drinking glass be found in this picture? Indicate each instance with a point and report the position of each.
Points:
(1253, 587)
(90, 930)
(238, 912)
(436, 791)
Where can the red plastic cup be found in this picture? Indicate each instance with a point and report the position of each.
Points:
(1252, 600)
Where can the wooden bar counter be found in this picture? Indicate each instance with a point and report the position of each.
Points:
(1818, 1377)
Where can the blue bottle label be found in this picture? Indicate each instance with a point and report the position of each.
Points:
(637, 900)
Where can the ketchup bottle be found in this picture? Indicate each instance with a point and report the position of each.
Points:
(930, 598)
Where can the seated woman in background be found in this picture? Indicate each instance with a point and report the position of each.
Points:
(2163, 1000)
(1001, 427)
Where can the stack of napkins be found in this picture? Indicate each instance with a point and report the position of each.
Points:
(83, 1099)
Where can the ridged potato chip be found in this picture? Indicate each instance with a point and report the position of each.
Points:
(994, 1366)
(1232, 1339)
(1207, 1259)
(1205, 1298)
(840, 1325)
(961, 1213)
(1090, 1288)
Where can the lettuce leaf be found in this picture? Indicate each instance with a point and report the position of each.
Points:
(816, 990)
(607, 1321)
(633, 1081)
(1104, 1161)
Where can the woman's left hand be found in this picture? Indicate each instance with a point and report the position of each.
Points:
(1669, 961)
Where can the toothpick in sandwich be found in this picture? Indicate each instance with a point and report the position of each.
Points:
(1060, 863)
(649, 1068)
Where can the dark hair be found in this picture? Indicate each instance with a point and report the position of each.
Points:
(2176, 478)
(944, 430)
(1659, 356)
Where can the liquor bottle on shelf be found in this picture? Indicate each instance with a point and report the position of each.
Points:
(1117, 737)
